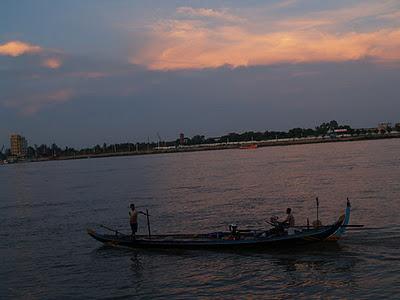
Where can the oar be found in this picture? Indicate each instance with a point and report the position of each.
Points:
(251, 230)
(110, 229)
(148, 223)
(355, 225)
(307, 226)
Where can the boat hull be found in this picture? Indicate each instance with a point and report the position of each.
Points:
(204, 242)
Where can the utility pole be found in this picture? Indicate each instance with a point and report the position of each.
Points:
(159, 140)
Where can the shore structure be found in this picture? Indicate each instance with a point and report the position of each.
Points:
(327, 132)
(233, 145)
(19, 146)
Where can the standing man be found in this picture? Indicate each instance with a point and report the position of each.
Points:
(133, 219)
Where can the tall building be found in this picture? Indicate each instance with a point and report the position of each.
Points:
(19, 145)
(181, 139)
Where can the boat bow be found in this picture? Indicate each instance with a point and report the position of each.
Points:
(345, 221)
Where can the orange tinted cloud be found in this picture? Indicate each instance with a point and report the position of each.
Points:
(186, 45)
(195, 42)
(207, 13)
(88, 75)
(17, 48)
(301, 24)
(52, 63)
(31, 104)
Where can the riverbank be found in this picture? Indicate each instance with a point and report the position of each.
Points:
(230, 145)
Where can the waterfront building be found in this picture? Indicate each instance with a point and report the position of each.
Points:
(19, 145)
(181, 139)
(384, 127)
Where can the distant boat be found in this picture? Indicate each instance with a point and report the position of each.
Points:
(232, 239)
(251, 146)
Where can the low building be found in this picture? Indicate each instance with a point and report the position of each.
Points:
(19, 145)
(384, 127)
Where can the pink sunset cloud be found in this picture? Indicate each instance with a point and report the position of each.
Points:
(195, 43)
(17, 48)
(52, 63)
(30, 105)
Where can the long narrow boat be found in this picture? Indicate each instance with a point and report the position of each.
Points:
(232, 239)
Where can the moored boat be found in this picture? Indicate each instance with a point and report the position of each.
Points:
(232, 239)
(249, 146)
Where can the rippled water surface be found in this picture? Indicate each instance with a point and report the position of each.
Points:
(45, 209)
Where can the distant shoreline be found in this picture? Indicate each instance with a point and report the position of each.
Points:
(232, 145)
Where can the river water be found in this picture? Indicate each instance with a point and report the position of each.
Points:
(46, 207)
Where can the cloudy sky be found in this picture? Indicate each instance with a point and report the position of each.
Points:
(85, 72)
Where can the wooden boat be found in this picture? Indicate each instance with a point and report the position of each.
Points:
(232, 239)
(250, 146)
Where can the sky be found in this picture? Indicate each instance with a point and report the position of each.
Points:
(81, 73)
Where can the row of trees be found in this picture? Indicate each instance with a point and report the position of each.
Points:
(45, 151)
(323, 129)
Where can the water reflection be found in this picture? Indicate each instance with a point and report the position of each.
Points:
(136, 263)
(46, 208)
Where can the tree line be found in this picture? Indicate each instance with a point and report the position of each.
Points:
(53, 151)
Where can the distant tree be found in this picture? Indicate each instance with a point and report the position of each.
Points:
(309, 132)
(231, 137)
(324, 128)
(296, 132)
(55, 150)
(44, 151)
(197, 140)
(210, 141)
(31, 152)
(333, 124)
(97, 149)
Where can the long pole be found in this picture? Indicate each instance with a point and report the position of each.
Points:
(317, 209)
(148, 223)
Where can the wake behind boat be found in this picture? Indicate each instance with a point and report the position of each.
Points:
(233, 238)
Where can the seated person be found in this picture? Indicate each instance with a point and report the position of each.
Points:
(289, 221)
(280, 227)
